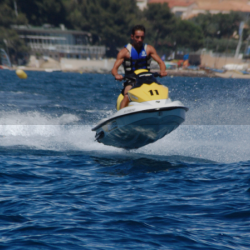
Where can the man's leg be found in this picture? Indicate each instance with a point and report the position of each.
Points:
(125, 100)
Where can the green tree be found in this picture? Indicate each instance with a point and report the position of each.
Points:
(219, 25)
(8, 16)
(218, 30)
(77, 14)
(187, 34)
(9, 38)
(166, 31)
(160, 23)
(39, 12)
(109, 21)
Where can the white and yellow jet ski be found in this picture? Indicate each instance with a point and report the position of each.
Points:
(149, 116)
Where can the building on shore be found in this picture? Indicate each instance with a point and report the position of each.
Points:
(59, 42)
(187, 9)
(142, 4)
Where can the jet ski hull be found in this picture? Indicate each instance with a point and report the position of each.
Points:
(139, 129)
(149, 116)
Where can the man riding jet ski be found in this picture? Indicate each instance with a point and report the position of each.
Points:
(145, 113)
(136, 56)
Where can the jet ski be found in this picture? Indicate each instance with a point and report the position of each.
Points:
(150, 115)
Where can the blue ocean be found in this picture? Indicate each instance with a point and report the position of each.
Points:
(60, 189)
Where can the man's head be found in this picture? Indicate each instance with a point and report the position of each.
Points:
(138, 27)
(138, 35)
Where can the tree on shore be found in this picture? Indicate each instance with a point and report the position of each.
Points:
(160, 23)
(221, 30)
(39, 12)
(166, 30)
(188, 35)
(109, 21)
(9, 39)
(219, 25)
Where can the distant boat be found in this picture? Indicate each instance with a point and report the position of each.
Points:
(52, 70)
(4, 60)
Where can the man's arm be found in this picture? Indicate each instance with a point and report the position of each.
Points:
(152, 52)
(119, 60)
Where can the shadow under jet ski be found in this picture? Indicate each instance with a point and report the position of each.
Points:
(142, 165)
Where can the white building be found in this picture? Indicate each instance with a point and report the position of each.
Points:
(59, 42)
(142, 4)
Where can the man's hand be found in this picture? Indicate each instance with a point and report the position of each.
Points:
(118, 77)
(163, 73)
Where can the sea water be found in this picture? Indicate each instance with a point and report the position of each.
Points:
(60, 189)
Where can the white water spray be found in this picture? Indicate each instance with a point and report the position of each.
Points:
(222, 143)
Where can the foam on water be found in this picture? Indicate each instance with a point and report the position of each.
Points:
(35, 118)
(214, 142)
(57, 112)
(222, 143)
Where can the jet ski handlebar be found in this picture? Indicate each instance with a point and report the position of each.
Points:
(133, 76)
(156, 74)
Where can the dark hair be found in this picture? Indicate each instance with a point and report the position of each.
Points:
(138, 27)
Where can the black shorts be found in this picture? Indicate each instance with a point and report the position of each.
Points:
(128, 83)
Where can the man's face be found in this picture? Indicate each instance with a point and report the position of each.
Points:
(138, 38)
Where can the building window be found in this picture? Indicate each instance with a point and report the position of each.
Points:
(178, 13)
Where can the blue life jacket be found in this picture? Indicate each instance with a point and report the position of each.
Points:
(137, 60)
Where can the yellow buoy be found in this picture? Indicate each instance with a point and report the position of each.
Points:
(21, 74)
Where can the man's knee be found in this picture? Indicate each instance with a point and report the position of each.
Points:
(126, 98)
(124, 102)
(127, 90)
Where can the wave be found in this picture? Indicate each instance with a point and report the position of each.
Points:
(220, 143)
